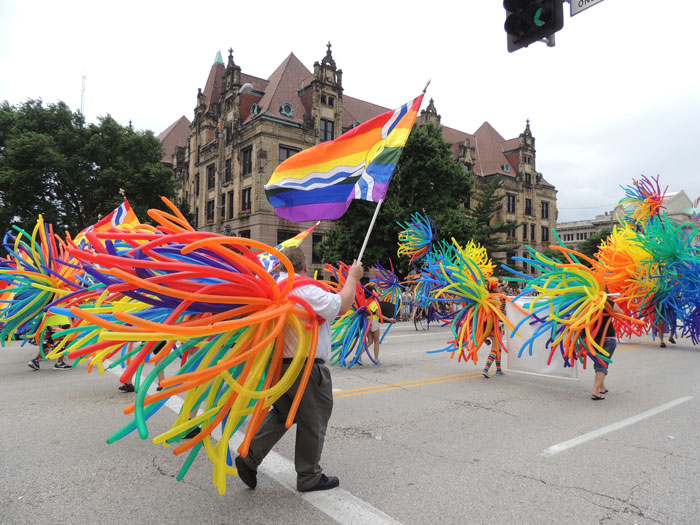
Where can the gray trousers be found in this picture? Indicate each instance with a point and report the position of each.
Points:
(311, 419)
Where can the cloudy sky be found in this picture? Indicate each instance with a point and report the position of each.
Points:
(617, 97)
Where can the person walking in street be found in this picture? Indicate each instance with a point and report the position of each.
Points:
(317, 402)
(608, 340)
(49, 345)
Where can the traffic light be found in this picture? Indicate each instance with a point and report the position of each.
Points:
(528, 21)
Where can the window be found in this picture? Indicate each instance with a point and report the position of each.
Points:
(285, 235)
(331, 101)
(196, 184)
(524, 232)
(287, 109)
(528, 178)
(211, 177)
(196, 218)
(286, 152)
(510, 203)
(327, 130)
(468, 202)
(247, 161)
(227, 171)
(532, 233)
(316, 239)
(509, 259)
(545, 210)
(246, 194)
(511, 233)
(528, 206)
(210, 210)
(244, 233)
(545, 234)
(323, 99)
(230, 205)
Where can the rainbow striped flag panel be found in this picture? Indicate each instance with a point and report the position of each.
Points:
(320, 182)
(123, 215)
(269, 261)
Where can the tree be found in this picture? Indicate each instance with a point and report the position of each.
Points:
(428, 180)
(52, 163)
(490, 232)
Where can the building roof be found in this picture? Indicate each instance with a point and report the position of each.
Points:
(490, 157)
(291, 76)
(283, 87)
(212, 89)
(174, 135)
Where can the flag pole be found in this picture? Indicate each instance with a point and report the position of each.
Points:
(369, 231)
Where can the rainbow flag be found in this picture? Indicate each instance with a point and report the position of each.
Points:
(270, 262)
(320, 182)
(124, 214)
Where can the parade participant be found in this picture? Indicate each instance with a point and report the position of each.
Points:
(373, 307)
(48, 346)
(608, 340)
(494, 355)
(317, 402)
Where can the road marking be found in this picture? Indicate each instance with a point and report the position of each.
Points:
(406, 384)
(565, 445)
(338, 504)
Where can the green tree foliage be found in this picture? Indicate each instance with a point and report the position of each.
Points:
(427, 180)
(489, 231)
(52, 163)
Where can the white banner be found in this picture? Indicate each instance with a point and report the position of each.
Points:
(537, 362)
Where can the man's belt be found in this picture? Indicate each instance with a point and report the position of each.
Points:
(317, 361)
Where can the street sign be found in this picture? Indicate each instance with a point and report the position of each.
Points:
(579, 5)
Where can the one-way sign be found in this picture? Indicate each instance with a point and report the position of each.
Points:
(579, 5)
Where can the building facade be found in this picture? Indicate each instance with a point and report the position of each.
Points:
(244, 127)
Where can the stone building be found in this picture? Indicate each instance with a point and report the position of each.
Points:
(244, 126)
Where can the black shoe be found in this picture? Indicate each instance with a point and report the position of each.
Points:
(325, 483)
(671, 340)
(127, 387)
(662, 345)
(193, 433)
(247, 474)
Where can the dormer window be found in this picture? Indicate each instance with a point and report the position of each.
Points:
(505, 168)
(287, 109)
(254, 110)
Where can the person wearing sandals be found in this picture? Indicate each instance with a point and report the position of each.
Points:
(608, 340)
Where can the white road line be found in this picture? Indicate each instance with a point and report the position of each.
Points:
(565, 445)
(338, 504)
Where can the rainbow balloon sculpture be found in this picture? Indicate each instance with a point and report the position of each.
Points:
(207, 295)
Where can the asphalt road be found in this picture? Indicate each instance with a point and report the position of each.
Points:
(421, 439)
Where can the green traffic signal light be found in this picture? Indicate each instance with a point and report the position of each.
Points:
(530, 20)
(540, 17)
